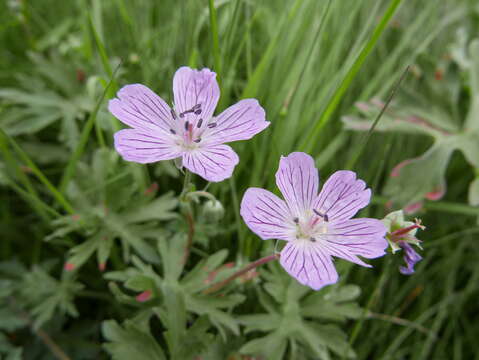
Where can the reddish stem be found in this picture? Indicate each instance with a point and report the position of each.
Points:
(220, 284)
(191, 233)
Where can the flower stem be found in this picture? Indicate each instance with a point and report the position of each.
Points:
(220, 284)
(188, 216)
(191, 233)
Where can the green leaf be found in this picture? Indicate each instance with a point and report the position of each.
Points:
(474, 192)
(130, 342)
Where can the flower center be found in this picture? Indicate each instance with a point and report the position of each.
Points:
(312, 227)
(189, 129)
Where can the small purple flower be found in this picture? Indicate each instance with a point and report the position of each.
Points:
(316, 227)
(188, 130)
(411, 257)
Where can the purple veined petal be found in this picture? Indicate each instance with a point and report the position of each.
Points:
(140, 108)
(308, 264)
(298, 179)
(267, 215)
(411, 257)
(342, 196)
(195, 87)
(241, 121)
(355, 237)
(145, 147)
(212, 162)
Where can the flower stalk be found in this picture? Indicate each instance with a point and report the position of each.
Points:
(219, 285)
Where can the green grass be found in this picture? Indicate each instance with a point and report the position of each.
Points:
(307, 62)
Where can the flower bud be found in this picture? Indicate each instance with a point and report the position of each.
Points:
(213, 211)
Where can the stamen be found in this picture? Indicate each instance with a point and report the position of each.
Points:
(296, 220)
(200, 122)
(198, 112)
(197, 140)
(187, 124)
(324, 216)
(312, 239)
(173, 114)
(172, 131)
(212, 125)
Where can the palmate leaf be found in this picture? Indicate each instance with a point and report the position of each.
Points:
(111, 206)
(296, 319)
(51, 93)
(177, 298)
(413, 180)
(130, 341)
(46, 296)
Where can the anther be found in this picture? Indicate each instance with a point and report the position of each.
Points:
(312, 239)
(200, 122)
(296, 220)
(212, 125)
(324, 216)
(173, 114)
(197, 140)
(172, 131)
(198, 112)
(187, 124)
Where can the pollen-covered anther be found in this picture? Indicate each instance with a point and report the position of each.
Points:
(172, 131)
(197, 140)
(200, 122)
(187, 124)
(195, 109)
(312, 239)
(212, 125)
(296, 220)
(324, 216)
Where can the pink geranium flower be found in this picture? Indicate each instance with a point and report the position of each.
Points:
(316, 227)
(188, 129)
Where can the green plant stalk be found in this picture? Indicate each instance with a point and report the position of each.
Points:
(215, 40)
(308, 144)
(440, 206)
(38, 173)
(32, 197)
(362, 146)
(71, 166)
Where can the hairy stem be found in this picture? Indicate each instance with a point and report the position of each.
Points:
(191, 233)
(221, 284)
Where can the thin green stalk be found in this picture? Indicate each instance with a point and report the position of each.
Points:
(440, 206)
(38, 173)
(215, 39)
(308, 144)
(379, 285)
(72, 163)
(362, 146)
(33, 197)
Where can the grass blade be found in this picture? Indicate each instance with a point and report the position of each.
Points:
(308, 144)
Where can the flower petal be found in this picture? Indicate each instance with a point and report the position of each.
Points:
(349, 238)
(195, 87)
(241, 121)
(309, 264)
(342, 196)
(267, 215)
(298, 179)
(139, 107)
(145, 146)
(213, 163)
(411, 257)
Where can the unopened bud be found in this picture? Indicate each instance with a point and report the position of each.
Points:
(213, 211)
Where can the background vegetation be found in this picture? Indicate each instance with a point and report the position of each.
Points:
(66, 198)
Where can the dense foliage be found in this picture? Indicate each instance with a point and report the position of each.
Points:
(92, 255)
